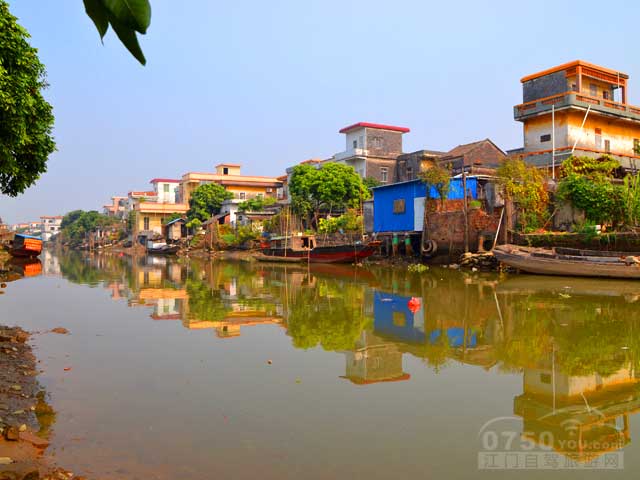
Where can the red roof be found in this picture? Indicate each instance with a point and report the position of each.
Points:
(165, 180)
(374, 125)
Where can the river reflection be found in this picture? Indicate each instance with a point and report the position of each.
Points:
(571, 345)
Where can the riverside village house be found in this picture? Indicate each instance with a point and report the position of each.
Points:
(577, 108)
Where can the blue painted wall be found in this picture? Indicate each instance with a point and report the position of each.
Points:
(384, 220)
(386, 305)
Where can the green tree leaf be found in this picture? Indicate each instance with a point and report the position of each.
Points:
(206, 201)
(135, 14)
(128, 38)
(98, 14)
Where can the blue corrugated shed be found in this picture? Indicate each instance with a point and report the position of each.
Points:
(384, 218)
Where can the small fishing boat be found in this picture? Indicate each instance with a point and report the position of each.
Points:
(570, 262)
(25, 246)
(305, 248)
(161, 248)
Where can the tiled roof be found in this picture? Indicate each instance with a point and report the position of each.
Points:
(474, 149)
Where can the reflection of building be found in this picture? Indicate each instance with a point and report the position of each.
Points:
(374, 360)
(50, 263)
(581, 417)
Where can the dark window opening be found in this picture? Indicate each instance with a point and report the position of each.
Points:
(607, 146)
(545, 138)
(545, 378)
(225, 171)
(399, 206)
(605, 95)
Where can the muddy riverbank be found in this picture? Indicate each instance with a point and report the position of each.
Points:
(25, 416)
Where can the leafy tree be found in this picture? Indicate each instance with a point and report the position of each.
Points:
(206, 201)
(76, 224)
(371, 182)
(256, 204)
(300, 189)
(332, 187)
(26, 119)
(439, 178)
(524, 184)
(126, 17)
(587, 184)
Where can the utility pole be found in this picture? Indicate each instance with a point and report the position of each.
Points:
(464, 209)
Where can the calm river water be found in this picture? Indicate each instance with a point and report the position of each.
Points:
(179, 369)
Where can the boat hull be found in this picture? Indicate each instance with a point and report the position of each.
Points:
(168, 250)
(324, 254)
(26, 246)
(563, 265)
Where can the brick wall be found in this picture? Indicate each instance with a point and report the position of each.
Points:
(374, 166)
(388, 143)
(446, 225)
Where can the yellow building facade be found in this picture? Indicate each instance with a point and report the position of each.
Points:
(578, 108)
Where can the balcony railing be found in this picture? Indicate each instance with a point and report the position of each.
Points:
(354, 152)
(577, 99)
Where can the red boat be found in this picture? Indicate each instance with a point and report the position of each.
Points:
(304, 248)
(25, 246)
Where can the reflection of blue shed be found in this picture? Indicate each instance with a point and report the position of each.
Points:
(399, 207)
(392, 318)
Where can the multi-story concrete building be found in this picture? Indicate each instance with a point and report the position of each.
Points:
(409, 165)
(153, 209)
(228, 175)
(372, 149)
(577, 108)
(117, 208)
(167, 190)
(49, 226)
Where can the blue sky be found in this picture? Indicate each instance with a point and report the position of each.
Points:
(269, 84)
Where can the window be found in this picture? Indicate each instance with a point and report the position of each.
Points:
(225, 170)
(383, 174)
(409, 173)
(355, 144)
(545, 138)
(545, 378)
(636, 146)
(242, 195)
(605, 95)
(376, 142)
(593, 90)
(574, 87)
(607, 146)
(166, 188)
(361, 141)
(399, 206)
(269, 190)
(598, 134)
(399, 319)
(260, 196)
(145, 222)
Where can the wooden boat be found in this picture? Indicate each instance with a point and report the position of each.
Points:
(25, 246)
(161, 248)
(306, 249)
(554, 262)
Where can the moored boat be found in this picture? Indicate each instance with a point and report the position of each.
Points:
(25, 246)
(161, 248)
(564, 262)
(305, 248)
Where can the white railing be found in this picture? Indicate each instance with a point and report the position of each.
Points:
(354, 152)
